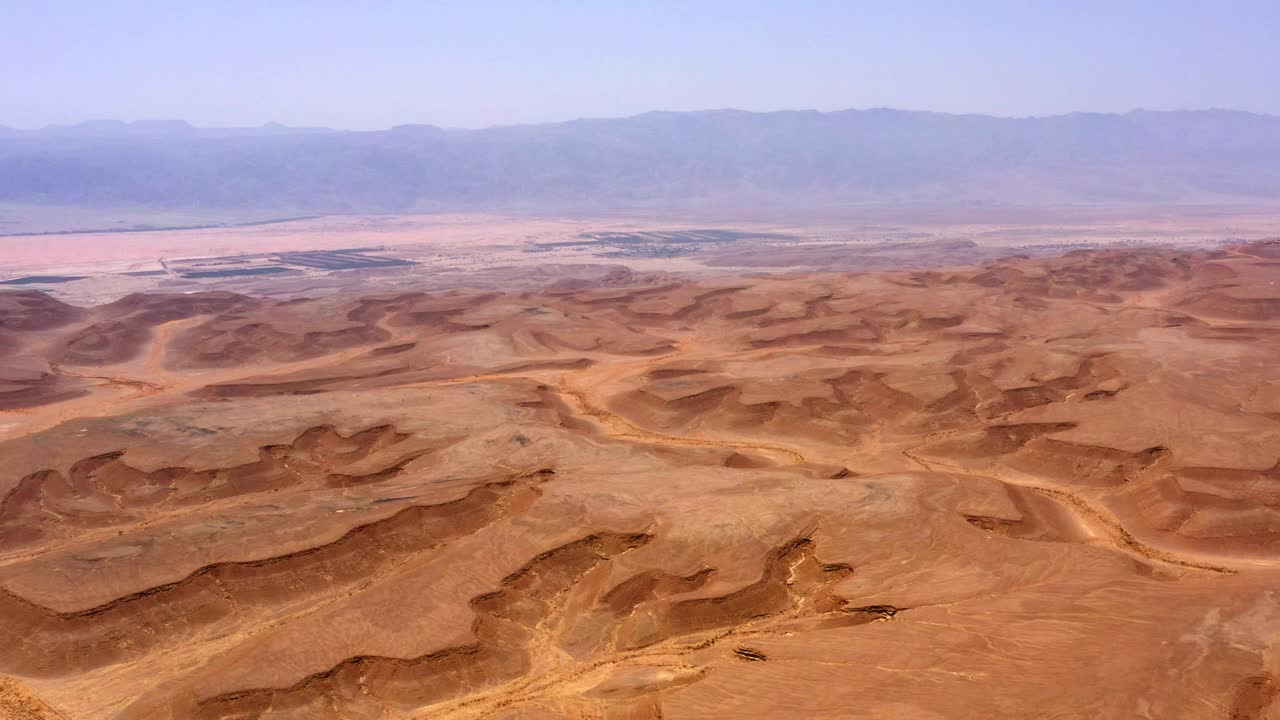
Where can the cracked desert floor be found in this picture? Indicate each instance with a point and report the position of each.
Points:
(1034, 488)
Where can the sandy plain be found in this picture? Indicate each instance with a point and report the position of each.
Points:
(1026, 487)
(450, 251)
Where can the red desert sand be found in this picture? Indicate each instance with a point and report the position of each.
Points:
(1038, 488)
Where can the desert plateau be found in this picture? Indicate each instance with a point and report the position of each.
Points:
(639, 360)
(1033, 483)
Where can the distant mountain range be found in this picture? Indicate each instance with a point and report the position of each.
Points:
(722, 159)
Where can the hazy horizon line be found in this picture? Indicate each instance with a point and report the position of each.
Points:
(88, 122)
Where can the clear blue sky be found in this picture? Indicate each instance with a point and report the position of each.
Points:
(364, 65)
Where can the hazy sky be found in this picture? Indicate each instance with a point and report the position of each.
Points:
(362, 65)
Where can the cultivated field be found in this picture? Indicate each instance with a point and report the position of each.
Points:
(435, 252)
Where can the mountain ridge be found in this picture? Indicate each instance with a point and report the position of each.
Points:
(107, 126)
(791, 159)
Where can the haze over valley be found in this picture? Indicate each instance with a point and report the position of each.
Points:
(785, 162)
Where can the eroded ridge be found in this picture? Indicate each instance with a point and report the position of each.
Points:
(45, 642)
(507, 622)
(105, 491)
(794, 581)
(1037, 456)
(526, 646)
(657, 631)
(1252, 697)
